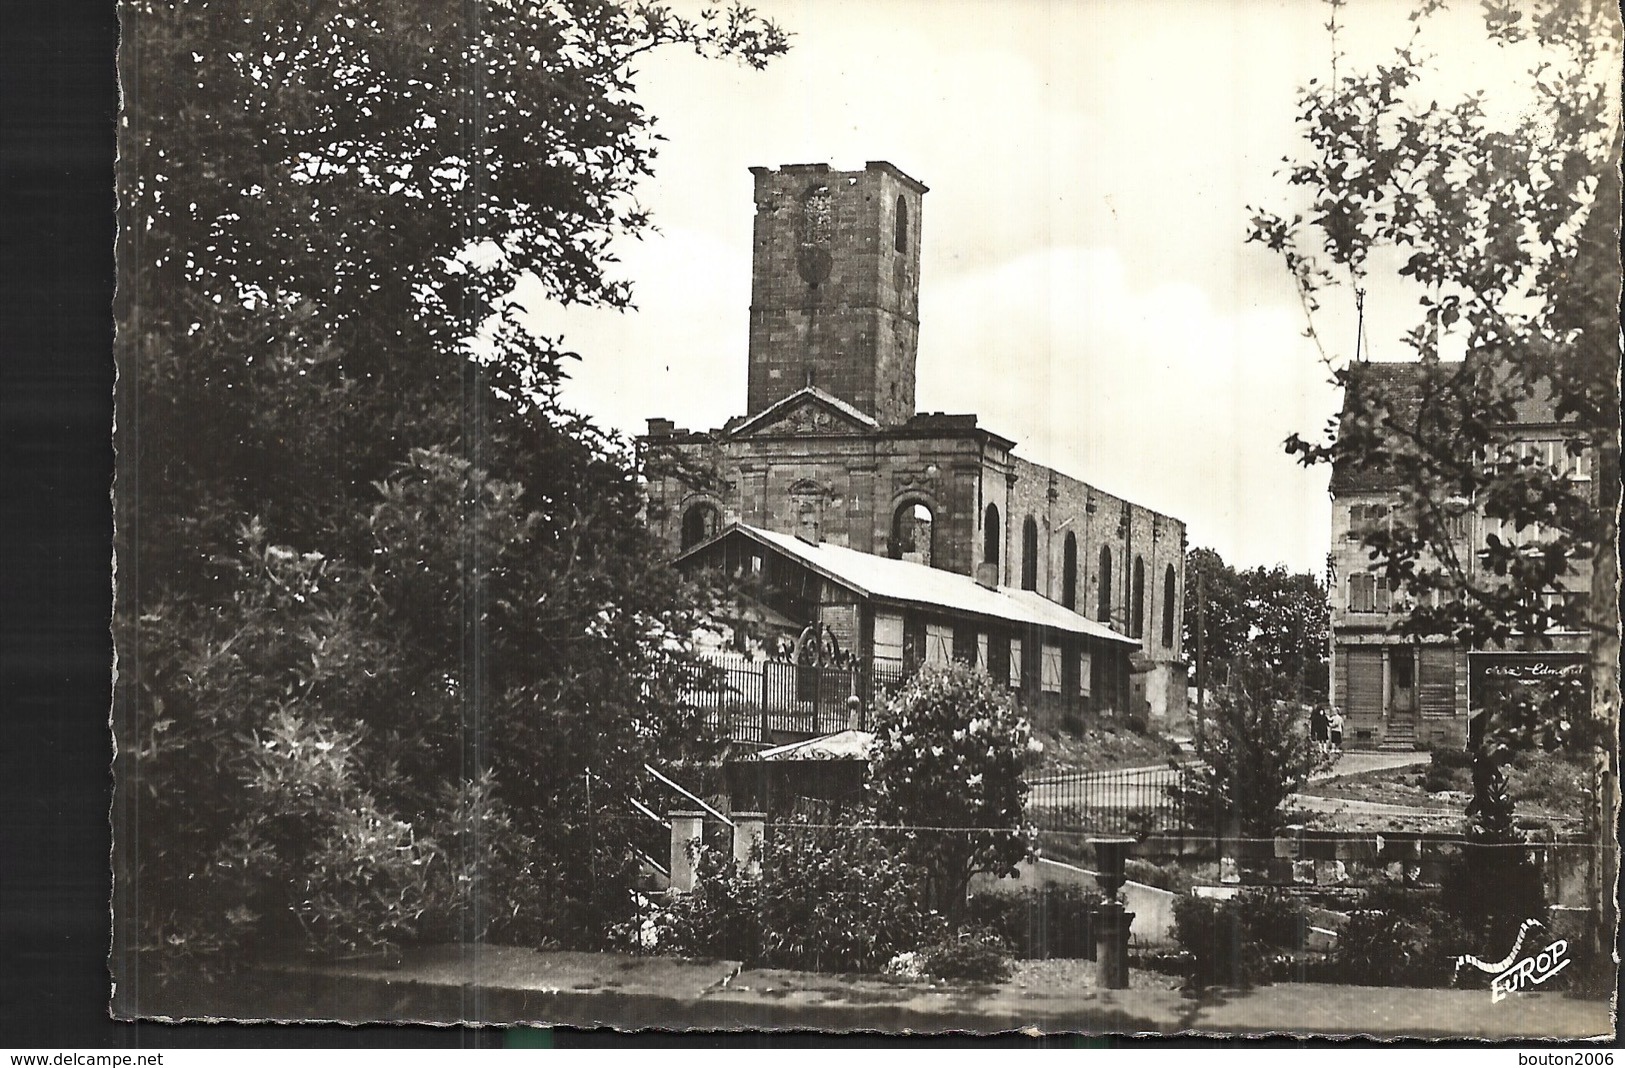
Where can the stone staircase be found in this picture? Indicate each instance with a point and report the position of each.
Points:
(1400, 735)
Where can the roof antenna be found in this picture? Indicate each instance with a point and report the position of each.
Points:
(1359, 326)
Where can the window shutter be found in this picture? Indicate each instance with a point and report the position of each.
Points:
(1436, 682)
(1050, 669)
(1365, 682)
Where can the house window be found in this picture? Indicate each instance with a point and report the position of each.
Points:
(1169, 606)
(888, 642)
(1049, 669)
(1086, 670)
(1104, 609)
(1362, 592)
(1365, 518)
(1368, 593)
(1029, 554)
(1137, 622)
(939, 643)
(981, 651)
(1015, 663)
(699, 524)
(1069, 572)
(991, 535)
(900, 235)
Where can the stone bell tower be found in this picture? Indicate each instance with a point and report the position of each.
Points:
(835, 287)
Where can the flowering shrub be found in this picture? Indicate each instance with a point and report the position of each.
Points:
(829, 899)
(946, 764)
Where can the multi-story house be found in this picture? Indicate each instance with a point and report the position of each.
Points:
(1402, 692)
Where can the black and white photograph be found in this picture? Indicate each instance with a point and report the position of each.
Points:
(1046, 517)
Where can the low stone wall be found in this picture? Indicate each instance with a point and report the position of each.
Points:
(1153, 909)
(1332, 859)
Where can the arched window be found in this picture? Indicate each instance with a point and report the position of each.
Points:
(699, 524)
(1168, 604)
(1029, 554)
(1069, 572)
(992, 535)
(1104, 609)
(817, 229)
(1137, 622)
(911, 533)
(900, 238)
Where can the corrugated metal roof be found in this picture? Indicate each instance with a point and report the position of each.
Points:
(905, 582)
(842, 745)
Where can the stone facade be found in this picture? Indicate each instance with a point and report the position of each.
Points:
(832, 449)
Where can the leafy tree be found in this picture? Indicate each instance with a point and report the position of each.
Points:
(1276, 616)
(380, 596)
(1507, 230)
(946, 765)
(1253, 751)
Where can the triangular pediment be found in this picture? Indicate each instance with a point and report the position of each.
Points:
(808, 411)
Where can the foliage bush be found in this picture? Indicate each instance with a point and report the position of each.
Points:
(1235, 942)
(1397, 937)
(1040, 923)
(829, 899)
(1275, 920)
(719, 918)
(1554, 782)
(1450, 758)
(1448, 769)
(973, 954)
(1487, 891)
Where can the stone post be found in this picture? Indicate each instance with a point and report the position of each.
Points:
(1111, 956)
(686, 829)
(749, 830)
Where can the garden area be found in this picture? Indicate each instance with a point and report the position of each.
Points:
(1103, 745)
(1549, 789)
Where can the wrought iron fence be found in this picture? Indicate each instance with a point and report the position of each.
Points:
(765, 700)
(1119, 801)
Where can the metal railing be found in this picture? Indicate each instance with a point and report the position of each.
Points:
(1119, 801)
(763, 701)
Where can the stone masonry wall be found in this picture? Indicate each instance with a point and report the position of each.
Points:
(834, 302)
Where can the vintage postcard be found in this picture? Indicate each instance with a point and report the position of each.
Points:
(1067, 517)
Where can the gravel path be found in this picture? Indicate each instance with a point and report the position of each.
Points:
(1057, 975)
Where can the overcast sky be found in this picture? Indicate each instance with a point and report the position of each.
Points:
(1086, 289)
